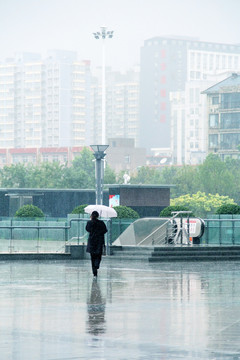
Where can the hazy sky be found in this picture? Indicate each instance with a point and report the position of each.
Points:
(39, 25)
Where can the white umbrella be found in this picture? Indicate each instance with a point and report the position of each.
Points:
(104, 211)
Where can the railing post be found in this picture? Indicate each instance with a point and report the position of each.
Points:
(188, 232)
(11, 236)
(233, 232)
(119, 227)
(220, 232)
(78, 228)
(38, 237)
(108, 237)
(66, 232)
(207, 236)
(181, 227)
(110, 233)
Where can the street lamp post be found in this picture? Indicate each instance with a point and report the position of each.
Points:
(99, 155)
(103, 34)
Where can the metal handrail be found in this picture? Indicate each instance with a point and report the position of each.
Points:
(164, 224)
(39, 226)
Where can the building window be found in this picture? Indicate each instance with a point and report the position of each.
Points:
(163, 53)
(163, 66)
(213, 141)
(229, 141)
(163, 106)
(163, 80)
(127, 159)
(230, 120)
(163, 93)
(230, 101)
(215, 100)
(213, 121)
(163, 118)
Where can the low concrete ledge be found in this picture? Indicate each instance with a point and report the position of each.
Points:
(77, 251)
(72, 252)
(34, 256)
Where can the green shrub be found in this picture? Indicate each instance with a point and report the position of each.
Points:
(202, 204)
(79, 209)
(29, 211)
(167, 212)
(228, 209)
(125, 212)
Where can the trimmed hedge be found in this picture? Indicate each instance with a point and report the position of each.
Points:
(167, 212)
(79, 209)
(125, 212)
(228, 209)
(29, 211)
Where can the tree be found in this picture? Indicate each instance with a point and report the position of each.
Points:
(214, 176)
(168, 175)
(109, 175)
(186, 181)
(47, 175)
(201, 204)
(14, 176)
(81, 175)
(146, 175)
(29, 211)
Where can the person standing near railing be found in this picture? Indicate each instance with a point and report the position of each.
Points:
(96, 243)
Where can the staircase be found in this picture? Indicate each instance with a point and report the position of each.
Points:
(131, 252)
(176, 253)
(195, 253)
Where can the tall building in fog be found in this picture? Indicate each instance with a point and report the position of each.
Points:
(173, 65)
(122, 106)
(44, 102)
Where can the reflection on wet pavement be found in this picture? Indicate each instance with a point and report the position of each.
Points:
(134, 310)
(96, 310)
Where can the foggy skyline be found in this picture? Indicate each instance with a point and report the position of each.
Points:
(41, 25)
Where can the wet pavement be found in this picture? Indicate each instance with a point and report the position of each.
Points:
(135, 310)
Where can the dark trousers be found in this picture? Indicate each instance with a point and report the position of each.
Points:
(95, 259)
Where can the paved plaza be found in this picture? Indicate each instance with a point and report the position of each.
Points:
(135, 310)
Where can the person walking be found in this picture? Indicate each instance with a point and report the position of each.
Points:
(96, 243)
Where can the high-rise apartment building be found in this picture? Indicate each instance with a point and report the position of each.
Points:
(168, 65)
(223, 104)
(7, 105)
(122, 106)
(44, 102)
(189, 125)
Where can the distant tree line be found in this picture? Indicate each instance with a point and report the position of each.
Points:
(80, 175)
(214, 176)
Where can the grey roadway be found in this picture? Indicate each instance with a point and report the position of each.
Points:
(135, 310)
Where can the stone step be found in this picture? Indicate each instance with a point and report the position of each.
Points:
(131, 258)
(193, 258)
(196, 248)
(191, 253)
(136, 251)
(176, 253)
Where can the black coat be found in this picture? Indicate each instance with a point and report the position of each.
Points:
(96, 229)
